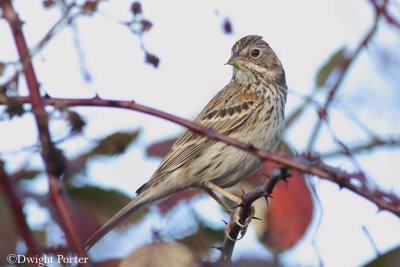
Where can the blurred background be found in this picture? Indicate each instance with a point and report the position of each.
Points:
(171, 56)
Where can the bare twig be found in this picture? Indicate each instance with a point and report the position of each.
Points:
(383, 10)
(343, 71)
(371, 144)
(26, 60)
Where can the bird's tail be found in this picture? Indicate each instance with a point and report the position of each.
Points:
(137, 203)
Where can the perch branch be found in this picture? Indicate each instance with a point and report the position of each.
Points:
(354, 182)
(245, 208)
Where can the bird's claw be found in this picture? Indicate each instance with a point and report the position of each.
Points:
(236, 218)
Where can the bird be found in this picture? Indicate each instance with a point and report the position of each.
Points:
(250, 108)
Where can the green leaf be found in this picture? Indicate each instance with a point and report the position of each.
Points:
(206, 237)
(25, 174)
(102, 203)
(389, 259)
(40, 237)
(8, 231)
(114, 144)
(2, 68)
(326, 70)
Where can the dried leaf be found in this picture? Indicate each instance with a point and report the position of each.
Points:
(334, 62)
(76, 166)
(152, 59)
(161, 254)
(146, 25)
(227, 26)
(89, 7)
(14, 107)
(48, 3)
(76, 122)
(114, 144)
(56, 161)
(136, 8)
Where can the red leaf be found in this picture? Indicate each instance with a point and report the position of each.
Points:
(290, 211)
(171, 202)
(161, 149)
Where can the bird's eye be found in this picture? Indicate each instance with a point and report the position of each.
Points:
(255, 53)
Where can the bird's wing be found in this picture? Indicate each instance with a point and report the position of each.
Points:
(225, 113)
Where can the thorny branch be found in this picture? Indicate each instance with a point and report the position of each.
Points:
(355, 182)
(245, 208)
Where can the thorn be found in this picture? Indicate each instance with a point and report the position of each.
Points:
(242, 190)
(256, 218)
(266, 199)
(237, 206)
(224, 222)
(218, 248)
(268, 195)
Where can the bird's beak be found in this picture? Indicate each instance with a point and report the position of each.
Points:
(236, 59)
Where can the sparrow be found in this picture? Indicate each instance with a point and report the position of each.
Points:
(250, 108)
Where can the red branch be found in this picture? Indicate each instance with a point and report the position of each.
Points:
(52, 157)
(19, 216)
(383, 10)
(355, 182)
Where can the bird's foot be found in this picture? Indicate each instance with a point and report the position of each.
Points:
(235, 217)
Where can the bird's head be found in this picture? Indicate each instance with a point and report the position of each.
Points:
(252, 56)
